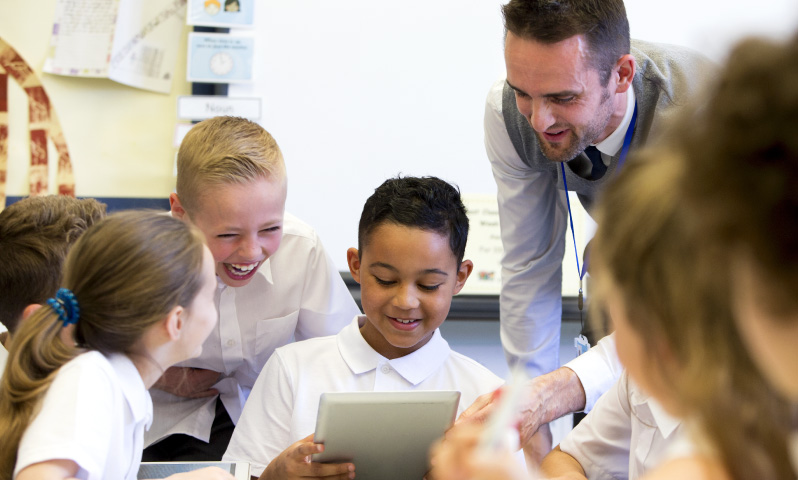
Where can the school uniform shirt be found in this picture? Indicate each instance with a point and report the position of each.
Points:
(625, 435)
(296, 294)
(94, 413)
(285, 400)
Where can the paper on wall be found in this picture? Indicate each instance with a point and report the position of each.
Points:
(133, 42)
(484, 246)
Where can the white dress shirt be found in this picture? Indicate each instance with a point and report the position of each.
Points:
(94, 413)
(534, 217)
(296, 294)
(627, 434)
(285, 400)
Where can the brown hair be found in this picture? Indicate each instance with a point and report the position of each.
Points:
(676, 296)
(223, 150)
(602, 22)
(127, 273)
(35, 234)
(744, 174)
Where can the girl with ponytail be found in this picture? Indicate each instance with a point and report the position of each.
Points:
(137, 297)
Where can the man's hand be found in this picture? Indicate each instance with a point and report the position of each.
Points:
(294, 463)
(188, 382)
(544, 398)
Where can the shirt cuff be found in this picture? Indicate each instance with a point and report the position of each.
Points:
(597, 369)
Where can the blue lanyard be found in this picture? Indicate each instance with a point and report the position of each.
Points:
(627, 140)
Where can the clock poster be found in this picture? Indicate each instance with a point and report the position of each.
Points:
(219, 58)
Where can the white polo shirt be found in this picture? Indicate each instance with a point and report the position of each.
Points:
(285, 400)
(94, 413)
(625, 435)
(296, 294)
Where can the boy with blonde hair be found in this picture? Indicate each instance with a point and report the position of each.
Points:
(35, 235)
(409, 263)
(231, 184)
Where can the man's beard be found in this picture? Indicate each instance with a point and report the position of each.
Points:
(577, 144)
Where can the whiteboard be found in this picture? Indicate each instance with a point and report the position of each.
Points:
(356, 91)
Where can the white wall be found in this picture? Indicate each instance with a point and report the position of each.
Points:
(353, 90)
(356, 91)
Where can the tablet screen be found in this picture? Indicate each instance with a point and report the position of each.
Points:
(154, 470)
(387, 435)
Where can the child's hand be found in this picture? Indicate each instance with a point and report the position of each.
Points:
(188, 382)
(457, 457)
(295, 462)
(207, 473)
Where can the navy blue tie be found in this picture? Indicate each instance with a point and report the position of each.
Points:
(599, 168)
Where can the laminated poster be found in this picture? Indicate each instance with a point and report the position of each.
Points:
(220, 13)
(484, 246)
(220, 58)
(133, 42)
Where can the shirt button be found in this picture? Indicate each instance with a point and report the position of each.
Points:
(230, 343)
(386, 369)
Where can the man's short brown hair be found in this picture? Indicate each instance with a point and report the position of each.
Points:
(602, 22)
(35, 235)
(224, 150)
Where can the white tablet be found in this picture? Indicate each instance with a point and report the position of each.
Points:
(387, 435)
(153, 470)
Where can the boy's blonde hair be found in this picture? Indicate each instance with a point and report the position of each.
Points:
(35, 234)
(127, 273)
(224, 150)
(675, 292)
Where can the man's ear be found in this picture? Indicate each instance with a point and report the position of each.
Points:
(29, 310)
(353, 259)
(625, 68)
(177, 208)
(174, 323)
(466, 267)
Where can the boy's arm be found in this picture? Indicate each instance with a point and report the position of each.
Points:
(264, 429)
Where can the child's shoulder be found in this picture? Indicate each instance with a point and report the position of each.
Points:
(90, 370)
(470, 368)
(312, 349)
(294, 226)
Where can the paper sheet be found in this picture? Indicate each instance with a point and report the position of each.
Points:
(133, 42)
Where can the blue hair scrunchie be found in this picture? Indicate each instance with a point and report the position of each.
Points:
(65, 305)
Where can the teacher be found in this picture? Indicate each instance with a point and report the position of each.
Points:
(578, 95)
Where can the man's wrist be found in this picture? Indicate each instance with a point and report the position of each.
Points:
(561, 393)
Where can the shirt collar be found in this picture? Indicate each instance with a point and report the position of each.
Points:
(612, 144)
(415, 367)
(133, 388)
(665, 422)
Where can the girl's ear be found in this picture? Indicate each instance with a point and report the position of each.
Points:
(174, 323)
(466, 267)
